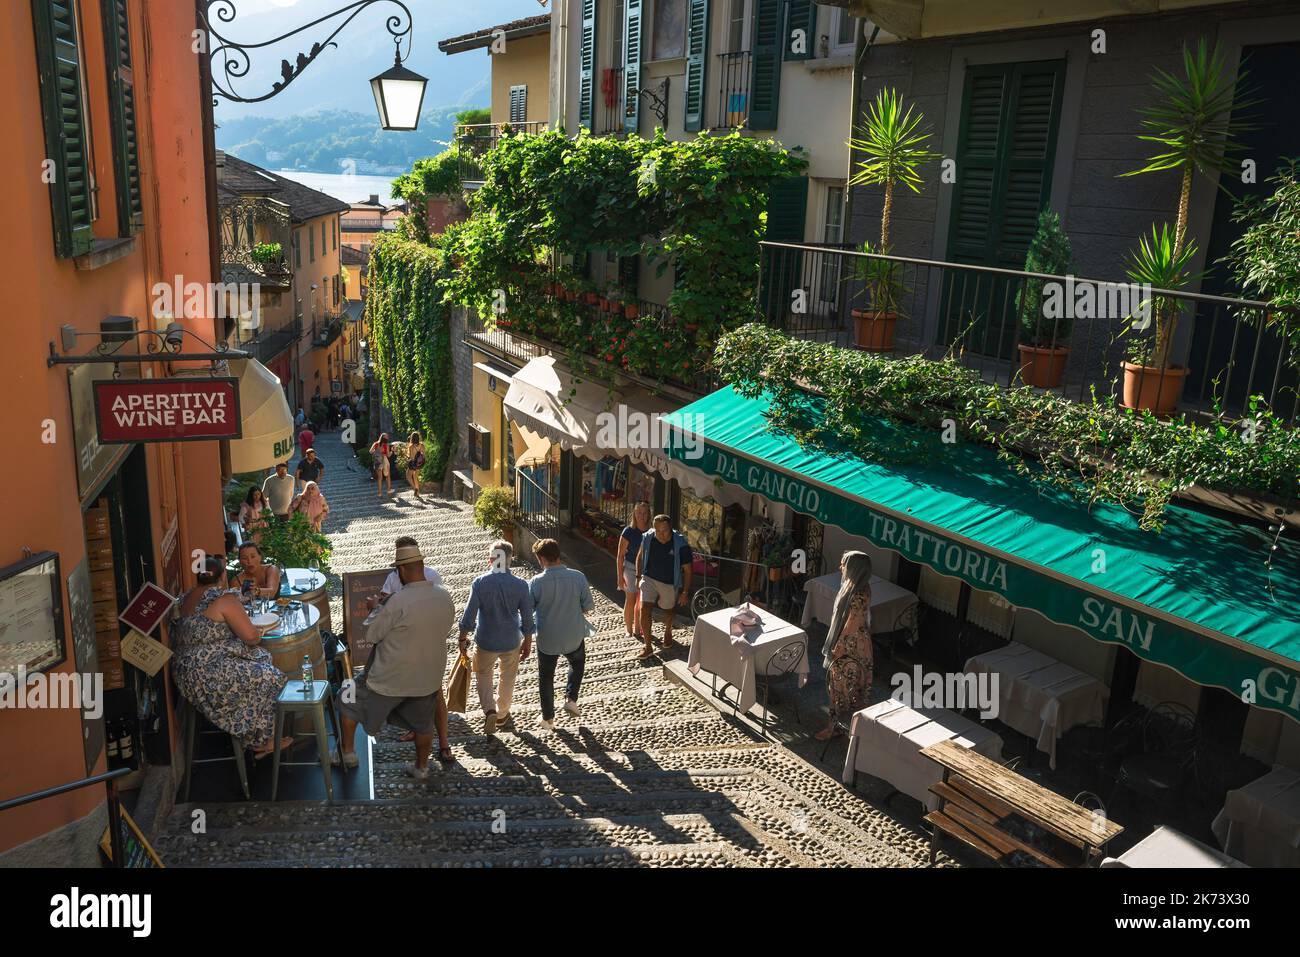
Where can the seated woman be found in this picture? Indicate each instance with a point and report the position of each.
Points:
(312, 504)
(251, 519)
(219, 665)
(263, 579)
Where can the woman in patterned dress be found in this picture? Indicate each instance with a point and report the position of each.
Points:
(220, 666)
(847, 653)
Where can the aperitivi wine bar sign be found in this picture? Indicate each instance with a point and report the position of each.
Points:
(167, 410)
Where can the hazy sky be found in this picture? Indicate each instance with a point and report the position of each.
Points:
(340, 78)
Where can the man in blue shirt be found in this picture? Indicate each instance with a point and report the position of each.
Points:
(562, 600)
(663, 567)
(500, 613)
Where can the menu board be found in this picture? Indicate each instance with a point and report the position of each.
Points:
(136, 849)
(81, 614)
(357, 587)
(31, 616)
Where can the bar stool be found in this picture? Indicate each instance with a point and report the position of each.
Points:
(316, 702)
(190, 718)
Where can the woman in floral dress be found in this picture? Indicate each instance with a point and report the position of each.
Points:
(848, 643)
(220, 666)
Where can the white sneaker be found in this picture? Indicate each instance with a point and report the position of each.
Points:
(349, 759)
(572, 708)
(418, 773)
(546, 725)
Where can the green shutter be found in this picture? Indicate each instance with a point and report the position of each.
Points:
(121, 87)
(697, 51)
(787, 209)
(632, 65)
(801, 15)
(58, 58)
(587, 66)
(765, 81)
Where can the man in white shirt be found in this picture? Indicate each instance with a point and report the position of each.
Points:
(403, 683)
(393, 583)
(278, 491)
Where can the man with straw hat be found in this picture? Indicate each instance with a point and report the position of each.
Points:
(403, 682)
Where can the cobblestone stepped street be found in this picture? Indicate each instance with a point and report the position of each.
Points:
(650, 776)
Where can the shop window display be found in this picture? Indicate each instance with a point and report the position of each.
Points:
(610, 489)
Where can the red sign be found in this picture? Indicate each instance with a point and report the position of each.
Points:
(167, 410)
(147, 608)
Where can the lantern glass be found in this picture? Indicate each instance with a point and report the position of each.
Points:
(399, 96)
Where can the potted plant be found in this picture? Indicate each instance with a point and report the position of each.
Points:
(266, 254)
(1042, 337)
(496, 511)
(892, 144)
(1196, 118)
(1151, 380)
(776, 556)
(295, 544)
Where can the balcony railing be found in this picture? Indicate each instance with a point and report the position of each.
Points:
(733, 90)
(326, 330)
(358, 225)
(1224, 350)
(251, 229)
(610, 107)
(475, 139)
(269, 343)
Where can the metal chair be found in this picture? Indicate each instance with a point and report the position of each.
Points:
(318, 701)
(190, 718)
(707, 599)
(847, 671)
(780, 667)
(1170, 738)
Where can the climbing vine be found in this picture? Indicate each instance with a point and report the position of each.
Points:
(834, 398)
(410, 331)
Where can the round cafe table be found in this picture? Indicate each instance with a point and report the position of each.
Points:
(297, 634)
(309, 586)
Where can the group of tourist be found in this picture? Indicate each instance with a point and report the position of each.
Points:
(384, 458)
(283, 495)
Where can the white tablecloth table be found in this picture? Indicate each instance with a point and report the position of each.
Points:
(1039, 696)
(738, 660)
(1165, 847)
(885, 740)
(1260, 823)
(890, 603)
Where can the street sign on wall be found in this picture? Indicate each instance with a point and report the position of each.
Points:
(167, 410)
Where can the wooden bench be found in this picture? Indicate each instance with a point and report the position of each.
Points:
(978, 799)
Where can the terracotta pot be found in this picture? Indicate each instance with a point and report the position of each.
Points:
(631, 310)
(591, 298)
(1042, 368)
(874, 331)
(604, 304)
(1150, 388)
(775, 574)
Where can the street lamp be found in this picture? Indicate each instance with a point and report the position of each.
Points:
(399, 92)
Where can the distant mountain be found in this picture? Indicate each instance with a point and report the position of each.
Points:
(335, 141)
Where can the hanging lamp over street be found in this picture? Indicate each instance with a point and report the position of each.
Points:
(399, 96)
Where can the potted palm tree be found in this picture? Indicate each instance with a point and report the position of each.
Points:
(1197, 118)
(892, 144)
(1042, 348)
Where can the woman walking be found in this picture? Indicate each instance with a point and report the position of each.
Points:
(629, 544)
(220, 666)
(383, 468)
(414, 462)
(312, 504)
(847, 653)
(251, 519)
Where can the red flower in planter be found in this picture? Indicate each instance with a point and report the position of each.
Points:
(609, 357)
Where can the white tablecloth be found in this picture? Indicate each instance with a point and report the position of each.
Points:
(889, 602)
(1165, 847)
(738, 660)
(885, 740)
(1040, 696)
(1260, 823)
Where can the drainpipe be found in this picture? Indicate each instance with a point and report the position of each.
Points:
(861, 46)
(561, 73)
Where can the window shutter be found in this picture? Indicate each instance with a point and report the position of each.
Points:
(765, 83)
(787, 209)
(518, 104)
(58, 58)
(121, 88)
(801, 15)
(697, 51)
(587, 66)
(632, 66)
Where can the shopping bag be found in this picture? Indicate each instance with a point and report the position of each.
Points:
(458, 690)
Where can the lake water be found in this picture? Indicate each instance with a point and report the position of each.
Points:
(348, 187)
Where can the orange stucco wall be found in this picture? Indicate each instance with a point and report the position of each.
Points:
(41, 749)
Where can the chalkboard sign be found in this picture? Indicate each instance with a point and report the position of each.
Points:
(357, 587)
(138, 852)
(81, 612)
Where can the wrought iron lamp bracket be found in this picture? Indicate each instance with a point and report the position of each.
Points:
(160, 346)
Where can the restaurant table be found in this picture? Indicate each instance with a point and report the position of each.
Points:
(1039, 696)
(297, 634)
(738, 660)
(890, 603)
(309, 586)
(1165, 847)
(885, 740)
(1260, 823)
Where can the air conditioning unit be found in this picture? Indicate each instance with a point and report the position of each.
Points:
(480, 446)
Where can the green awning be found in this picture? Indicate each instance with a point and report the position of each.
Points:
(1196, 597)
